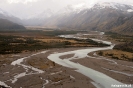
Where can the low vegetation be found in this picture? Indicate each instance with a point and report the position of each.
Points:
(15, 44)
(41, 63)
(124, 42)
(23, 41)
(123, 50)
(125, 47)
(117, 54)
(119, 37)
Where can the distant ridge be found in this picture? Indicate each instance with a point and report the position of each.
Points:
(8, 25)
(9, 22)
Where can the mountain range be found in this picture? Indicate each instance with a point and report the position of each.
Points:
(9, 22)
(105, 16)
(101, 17)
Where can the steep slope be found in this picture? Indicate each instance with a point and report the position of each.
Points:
(104, 19)
(102, 16)
(8, 25)
(126, 27)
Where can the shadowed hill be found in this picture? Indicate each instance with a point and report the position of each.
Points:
(8, 25)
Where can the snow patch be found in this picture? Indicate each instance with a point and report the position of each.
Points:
(113, 5)
(130, 10)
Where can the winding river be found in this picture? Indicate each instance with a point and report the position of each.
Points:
(100, 80)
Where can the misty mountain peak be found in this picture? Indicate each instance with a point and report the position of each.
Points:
(73, 8)
(47, 13)
(113, 5)
(1, 11)
(4, 13)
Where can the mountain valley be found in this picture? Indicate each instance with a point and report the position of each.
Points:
(81, 45)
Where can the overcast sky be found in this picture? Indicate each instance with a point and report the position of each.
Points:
(26, 8)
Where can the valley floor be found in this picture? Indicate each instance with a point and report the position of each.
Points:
(56, 76)
(69, 68)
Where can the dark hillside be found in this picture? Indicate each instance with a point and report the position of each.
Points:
(8, 25)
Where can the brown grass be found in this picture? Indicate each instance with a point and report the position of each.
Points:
(40, 63)
(117, 54)
(48, 40)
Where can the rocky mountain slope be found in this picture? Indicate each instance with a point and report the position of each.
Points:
(102, 17)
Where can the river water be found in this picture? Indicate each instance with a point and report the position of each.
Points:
(100, 80)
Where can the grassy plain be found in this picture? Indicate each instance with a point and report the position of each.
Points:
(33, 40)
(117, 54)
(123, 50)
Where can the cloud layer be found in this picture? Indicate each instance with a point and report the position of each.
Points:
(21, 1)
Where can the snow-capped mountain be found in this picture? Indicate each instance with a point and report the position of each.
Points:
(102, 5)
(76, 9)
(112, 5)
(102, 16)
(107, 16)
